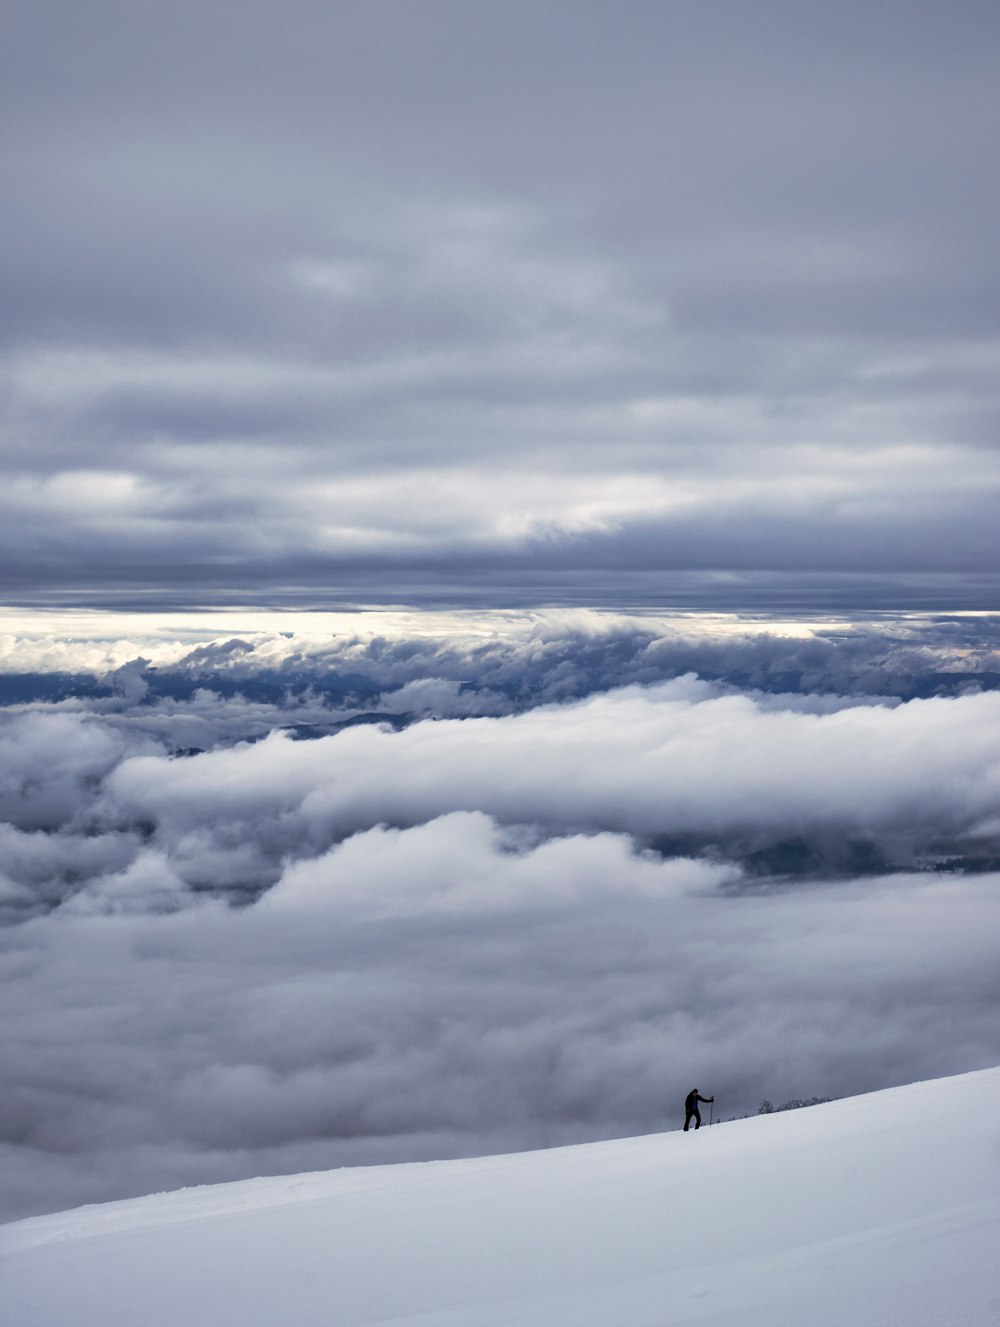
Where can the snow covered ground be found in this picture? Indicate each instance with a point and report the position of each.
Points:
(882, 1209)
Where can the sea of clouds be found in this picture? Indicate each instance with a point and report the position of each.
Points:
(273, 904)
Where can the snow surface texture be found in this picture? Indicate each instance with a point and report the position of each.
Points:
(881, 1209)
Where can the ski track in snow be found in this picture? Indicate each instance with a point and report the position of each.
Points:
(881, 1210)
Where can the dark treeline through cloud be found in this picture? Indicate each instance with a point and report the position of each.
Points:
(279, 902)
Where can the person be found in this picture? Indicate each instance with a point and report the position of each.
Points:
(691, 1111)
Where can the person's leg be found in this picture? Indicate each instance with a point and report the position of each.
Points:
(697, 1118)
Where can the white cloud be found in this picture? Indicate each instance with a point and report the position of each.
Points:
(677, 757)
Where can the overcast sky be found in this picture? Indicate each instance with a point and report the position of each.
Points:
(452, 300)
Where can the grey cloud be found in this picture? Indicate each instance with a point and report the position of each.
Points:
(465, 256)
(42, 868)
(49, 763)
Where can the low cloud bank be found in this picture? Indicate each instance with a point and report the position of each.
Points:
(795, 785)
(677, 759)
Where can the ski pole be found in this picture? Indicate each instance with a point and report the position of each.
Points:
(711, 1112)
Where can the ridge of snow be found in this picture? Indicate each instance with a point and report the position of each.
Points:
(880, 1209)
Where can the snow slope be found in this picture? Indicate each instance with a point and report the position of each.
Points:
(883, 1209)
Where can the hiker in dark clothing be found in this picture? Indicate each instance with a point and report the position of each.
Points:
(691, 1111)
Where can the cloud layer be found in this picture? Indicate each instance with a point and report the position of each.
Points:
(855, 748)
(251, 932)
(490, 304)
